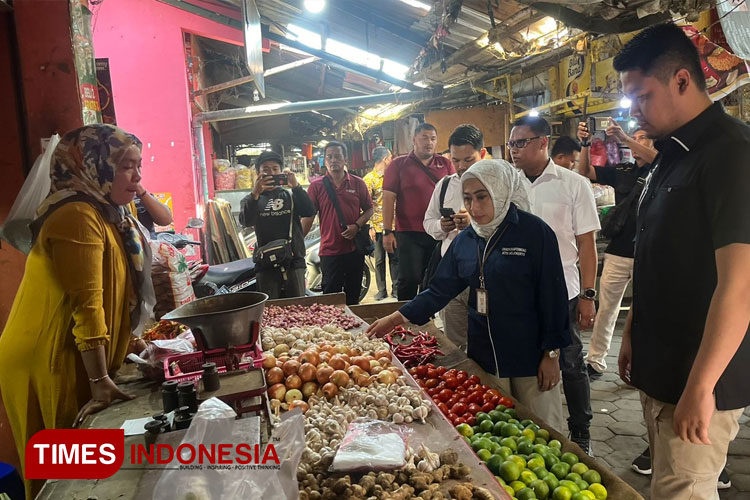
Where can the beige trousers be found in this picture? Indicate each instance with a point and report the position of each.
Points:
(455, 317)
(546, 405)
(686, 471)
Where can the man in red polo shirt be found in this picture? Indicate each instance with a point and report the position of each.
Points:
(340, 263)
(408, 183)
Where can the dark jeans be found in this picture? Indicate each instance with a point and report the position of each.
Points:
(272, 282)
(343, 272)
(380, 256)
(575, 380)
(414, 251)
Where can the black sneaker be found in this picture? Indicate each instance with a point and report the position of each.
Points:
(642, 464)
(593, 374)
(584, 442)
(381, 296)
(724, 482)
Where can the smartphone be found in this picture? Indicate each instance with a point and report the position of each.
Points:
(447, 212)
(280, 180)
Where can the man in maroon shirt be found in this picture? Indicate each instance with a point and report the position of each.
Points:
(340, 263)
(408, 184)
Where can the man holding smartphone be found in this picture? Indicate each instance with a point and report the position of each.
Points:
(446, 216)
(275, 213)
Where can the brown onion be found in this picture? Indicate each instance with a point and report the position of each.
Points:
(342, 349)
(384, 353)
(324, 356)
(361, 362)
(269, 361)
(355, 351)
(337, 362)
(309, 388)
(293, 382)
(307, 372)
(376, 370)
(354, 371)
(373, 364)
(290, 367)
(330, 390)
(275, 375)
(323, 374)
(309, 357)
(340, 378)
(299, 404)
(362, 380)
(277, 391)
(387, 377)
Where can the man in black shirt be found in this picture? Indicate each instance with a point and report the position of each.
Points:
(627, 179)
(272, 210)
(686, 344)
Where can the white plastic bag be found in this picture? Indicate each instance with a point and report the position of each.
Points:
(35, 189)
(372, 445)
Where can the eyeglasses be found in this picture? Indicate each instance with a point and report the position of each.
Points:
(522, 143)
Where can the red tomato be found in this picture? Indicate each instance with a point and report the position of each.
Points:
(451, 373)
(441, 370)
(431, 382)
(506, 401)
(488, 407)
(458, 409)
(474, 379)
(441, 385)
(474, 408)
(421, 371)
(432, 392)
(487, 396)
(443, 408)
(494, 392)
(470, 419)
(453, 400)
(474, 397)
(433, 373)
(462, 376)
(451, 382)
(444, 395)
(456, 421)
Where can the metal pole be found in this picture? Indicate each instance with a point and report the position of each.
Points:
(200, 145)
(246, 79)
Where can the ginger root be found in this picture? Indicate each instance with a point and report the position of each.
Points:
(460, 492)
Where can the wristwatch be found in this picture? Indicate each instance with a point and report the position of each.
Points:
(388, 231)
(553, 353)
(588, 294)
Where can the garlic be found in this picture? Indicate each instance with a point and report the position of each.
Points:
(398, 418)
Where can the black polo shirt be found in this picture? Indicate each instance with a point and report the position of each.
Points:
(622, 177)
(695, 202)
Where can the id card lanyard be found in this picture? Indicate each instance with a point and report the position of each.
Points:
(482, 304)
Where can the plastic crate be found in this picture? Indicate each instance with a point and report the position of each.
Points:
(190, 364)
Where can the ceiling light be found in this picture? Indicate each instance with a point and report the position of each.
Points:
(632, 124)
(315, 6)
(533, 112)
(625, 103)
(417, 4)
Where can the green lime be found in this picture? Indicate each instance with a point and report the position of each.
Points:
(569, 458)
(497, 428)
(485, 443)
(580, 496)
(511, 412)
(500, 480)
(573, 477)
(526, 422)
(520, 461)
(541, 441)
(494, 462)
(510, 491)
(579, 468)
(562, 493)
(555, 444)
(528, 433)
(513, 421)
(551, 481)
(495, 439)
(587, 494)
(535, 462)
(511, 430)
(465, 430)
(541, 449)
(496, 415)
(543, 433)
(550, 460)
(468, 440)
(481, 417)
(485, 426)
(526, 494)
(510, 443)
(592, 477)
(494, 447)
(541, 489)
(484, 455)
(560, 470)
(525, 448)
(505, 452)
(599, 491)
(517, 486)
(570, 485)
(583, 485)
(501, 408)
(541, 472)
(528, 477)
(475, 428)
(556, 452)
(509, 471)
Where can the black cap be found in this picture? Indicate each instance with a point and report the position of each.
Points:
(269, 156)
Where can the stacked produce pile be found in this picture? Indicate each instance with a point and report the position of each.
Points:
(314, 315)
(413, 348)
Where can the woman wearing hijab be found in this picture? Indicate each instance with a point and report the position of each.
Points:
(85, 287)
(518, 312)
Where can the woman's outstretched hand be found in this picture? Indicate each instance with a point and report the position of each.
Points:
(102, 395)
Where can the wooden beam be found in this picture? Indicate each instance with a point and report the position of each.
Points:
(597, 25)
(247, 79)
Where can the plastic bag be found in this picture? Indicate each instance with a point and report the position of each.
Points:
(151, 360)
(35, 189)
(170, 277)
(372, 445)
(215, 424)
(246, 178)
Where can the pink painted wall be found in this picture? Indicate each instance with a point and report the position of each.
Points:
(143, 40)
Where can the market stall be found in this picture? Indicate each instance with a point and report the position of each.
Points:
(318, 359)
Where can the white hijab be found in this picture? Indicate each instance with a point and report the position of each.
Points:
(504, 183)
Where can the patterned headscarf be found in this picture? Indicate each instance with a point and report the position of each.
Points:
(503, 181)
(83, 168)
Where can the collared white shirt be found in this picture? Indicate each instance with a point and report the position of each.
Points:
(453, 199)
(565, 201)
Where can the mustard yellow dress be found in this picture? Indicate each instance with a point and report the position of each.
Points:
(73, 297)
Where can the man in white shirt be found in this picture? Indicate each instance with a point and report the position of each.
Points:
(565, 201)
(466, 145)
